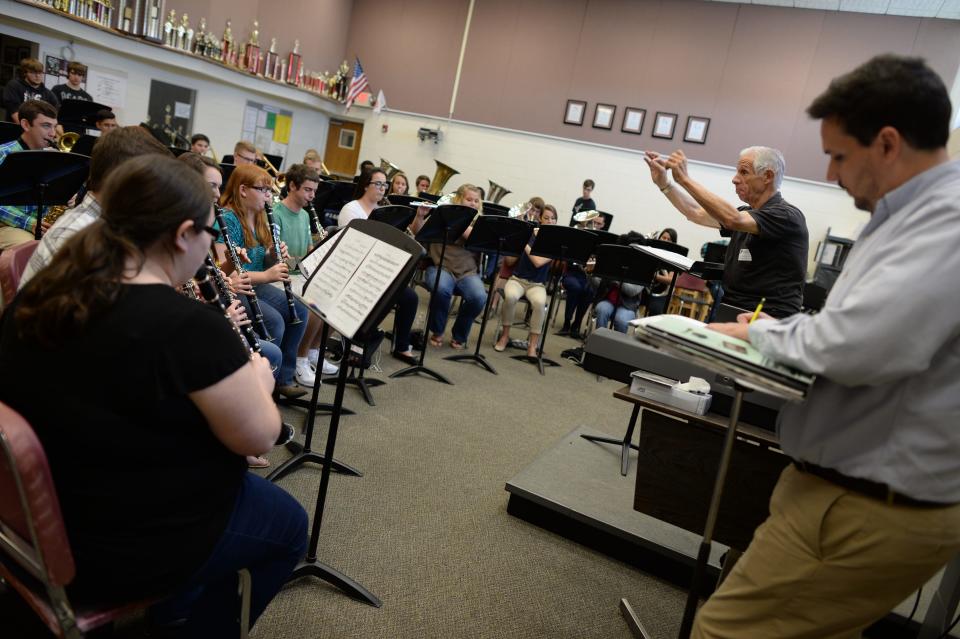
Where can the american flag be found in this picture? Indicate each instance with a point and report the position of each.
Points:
(357, 84)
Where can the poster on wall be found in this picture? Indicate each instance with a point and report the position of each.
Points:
(107, 86)
(170, 112)
(268, 127)
(55, 72)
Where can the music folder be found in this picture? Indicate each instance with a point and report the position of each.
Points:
(736, 358)
(354, 276)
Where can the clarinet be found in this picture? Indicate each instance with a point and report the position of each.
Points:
(208, 290)
(275, 233)
(321, 232)
(226, 298)
(235, 260)
(206, 281)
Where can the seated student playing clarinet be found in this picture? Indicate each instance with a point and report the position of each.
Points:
(169, 509)
(529, 279)
(248, 189)
(294, 223)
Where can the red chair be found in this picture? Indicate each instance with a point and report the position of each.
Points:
(35, 556)
(13, 262)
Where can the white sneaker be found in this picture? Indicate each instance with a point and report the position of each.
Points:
(312, 356)
(305, 375)
(330, 368)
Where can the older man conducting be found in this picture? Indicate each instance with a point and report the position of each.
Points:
(767, 255)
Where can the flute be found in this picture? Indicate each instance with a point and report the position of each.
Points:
(287, 288)
(235, 260)
(226, 299)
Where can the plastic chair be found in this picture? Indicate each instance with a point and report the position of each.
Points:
(35, 556)
(13, 262)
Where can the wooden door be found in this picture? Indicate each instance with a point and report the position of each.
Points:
(343, 147)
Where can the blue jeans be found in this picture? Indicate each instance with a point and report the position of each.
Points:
(406, 312)
(267, 535)
(620, 319)
(474, 298)
(579, 296)
(272, 353)
(273, 304)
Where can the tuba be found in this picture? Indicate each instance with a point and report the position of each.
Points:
(496, 192)
(440, 178)
(389, 168)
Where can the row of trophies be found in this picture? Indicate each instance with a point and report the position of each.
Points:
(143, 18)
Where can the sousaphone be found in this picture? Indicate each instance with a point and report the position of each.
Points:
(389, 168)
(441, 177)
(496, 192)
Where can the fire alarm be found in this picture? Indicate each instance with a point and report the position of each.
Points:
(384, 128)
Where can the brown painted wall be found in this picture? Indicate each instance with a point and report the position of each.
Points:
(751, 69)
(320, 25)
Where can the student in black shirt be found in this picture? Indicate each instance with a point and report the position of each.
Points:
(585, 202)
(72, 89)
(146, 443)
(29, 86)
(767, 255)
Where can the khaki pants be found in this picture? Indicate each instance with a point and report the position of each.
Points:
(10, 236)
(827, 563)
(536, 294)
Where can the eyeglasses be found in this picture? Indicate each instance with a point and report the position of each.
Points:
(246, 158)
(379, 185)
(262, 189)
(209, 229)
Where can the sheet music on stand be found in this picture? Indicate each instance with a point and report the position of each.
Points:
(356, 274)
(681, 261)
(309, 262)
(692, 340)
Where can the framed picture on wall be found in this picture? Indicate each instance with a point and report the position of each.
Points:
(603, 116)
(664, 125)
(696, 129)
(574, 112)
(633, 120)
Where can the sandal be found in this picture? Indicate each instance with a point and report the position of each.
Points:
(457, 346)
(257, 462)
(436, 340)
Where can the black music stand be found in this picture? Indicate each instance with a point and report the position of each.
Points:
(670, 247)
(444, 226)
(9, 131)
(42, 179)
(396, 215)
(340, 193)
(492, 208)
(403, 200)
(502, 236)
(80, 113)
(564, 244)
(84, 145)
(626, 265)
(605, 237)
(428, 197)
(310, 567)
(226, 169)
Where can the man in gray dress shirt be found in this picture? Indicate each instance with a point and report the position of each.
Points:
(869, 510)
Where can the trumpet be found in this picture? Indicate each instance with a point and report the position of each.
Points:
(279, 179)
(67, 141)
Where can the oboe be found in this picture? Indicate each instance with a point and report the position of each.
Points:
(208, 290)
(235, 260)
(226, 298)
(275, 233)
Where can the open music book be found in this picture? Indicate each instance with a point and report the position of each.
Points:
(350, 278)
(692, 340)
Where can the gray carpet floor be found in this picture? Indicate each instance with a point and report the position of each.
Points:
(426, 528)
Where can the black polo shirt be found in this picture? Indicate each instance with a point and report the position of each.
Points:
(771, 264)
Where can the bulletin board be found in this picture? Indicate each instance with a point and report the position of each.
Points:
(268, 127)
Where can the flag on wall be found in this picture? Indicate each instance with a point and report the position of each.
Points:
(357, 84)
(381, 102)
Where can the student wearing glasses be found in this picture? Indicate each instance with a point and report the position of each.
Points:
(370, 190)
(247, 190)
(244, 153)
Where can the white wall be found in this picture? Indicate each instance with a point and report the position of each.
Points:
(554, 169)
(219, 104)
